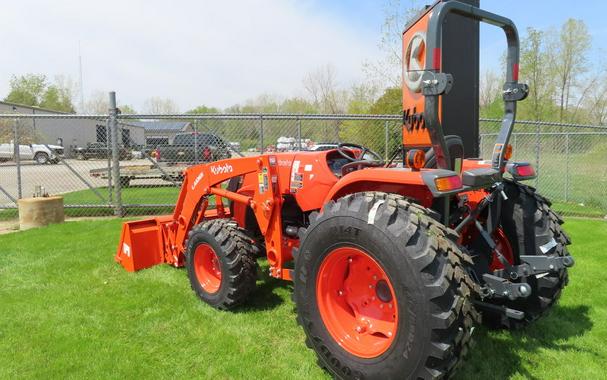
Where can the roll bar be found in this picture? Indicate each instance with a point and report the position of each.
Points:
(513, 91)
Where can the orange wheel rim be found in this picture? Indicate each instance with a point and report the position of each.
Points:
(503, 245)
(207, 268)
(357, 302)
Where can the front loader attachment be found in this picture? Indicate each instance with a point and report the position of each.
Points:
(141, 244)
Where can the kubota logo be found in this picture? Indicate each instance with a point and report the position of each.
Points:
(415, 59)
(222, 169)
(197, 179)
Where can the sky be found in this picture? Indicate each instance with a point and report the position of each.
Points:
(220, 53)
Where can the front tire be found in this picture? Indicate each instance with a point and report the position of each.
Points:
(221, 265)
(395, 254)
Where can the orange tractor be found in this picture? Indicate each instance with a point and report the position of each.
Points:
(393, 264)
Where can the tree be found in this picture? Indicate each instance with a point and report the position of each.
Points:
(569, 62)
(27, 89)
(534, 70)
(321, 85)
(34, 90)
(126, 109)
(58, 99)
(387, 71)
(597, 100)
(158, 105)
(203, 109)
(489, 88)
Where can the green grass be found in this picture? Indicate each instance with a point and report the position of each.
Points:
(69, 311)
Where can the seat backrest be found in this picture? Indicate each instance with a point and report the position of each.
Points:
(455, 146)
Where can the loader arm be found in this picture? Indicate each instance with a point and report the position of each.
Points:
(163, 239)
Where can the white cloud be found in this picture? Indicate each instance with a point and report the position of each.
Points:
(195, 52)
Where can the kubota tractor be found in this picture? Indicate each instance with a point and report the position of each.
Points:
(392, 264)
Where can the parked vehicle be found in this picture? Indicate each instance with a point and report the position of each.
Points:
(193, 147)
(41, 154)
(323, 146)
(100, 150)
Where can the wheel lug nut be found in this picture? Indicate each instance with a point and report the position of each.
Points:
(390, 305)
(370, 286)
(375, 277)
(340, 293)
(360, 329)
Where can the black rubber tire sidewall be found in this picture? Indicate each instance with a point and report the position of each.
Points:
(204, 237)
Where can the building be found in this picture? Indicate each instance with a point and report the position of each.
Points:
(162, 132)
(69, 133)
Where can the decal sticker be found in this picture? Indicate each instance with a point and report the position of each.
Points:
(197, 179)
(260, 181)
(222, 169)
(272, 160)
(373, 212)
(296, 178)
(126, 249)
(308, 168)
(548, 246)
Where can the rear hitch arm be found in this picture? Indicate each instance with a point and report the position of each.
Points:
(499, 287)
(541, 264)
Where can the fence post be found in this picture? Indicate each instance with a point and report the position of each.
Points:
(196, 141)
(17, 158)
(113, 113)
(538, 146)
(108, 139)
(261, 147)
(298, 133)
(567, 167)
(386, 136)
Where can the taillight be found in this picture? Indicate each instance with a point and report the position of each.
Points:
(448, 183)
(206, 153)
(521, 170)
(525, 171)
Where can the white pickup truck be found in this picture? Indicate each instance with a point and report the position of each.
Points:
(41, 154)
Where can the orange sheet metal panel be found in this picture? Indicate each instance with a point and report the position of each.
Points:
(415, 134)
(140, 245)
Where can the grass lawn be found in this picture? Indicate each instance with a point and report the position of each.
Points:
(69, 311)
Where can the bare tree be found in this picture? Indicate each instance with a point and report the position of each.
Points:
(327, 97)
(597, 100)
(489, 88)
(570, 60)
(321, 85)
(97, 103)
(158, 105)
(387, 71)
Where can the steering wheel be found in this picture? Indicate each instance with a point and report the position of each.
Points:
(345, 148)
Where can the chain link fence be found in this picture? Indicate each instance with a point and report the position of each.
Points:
(131, 164)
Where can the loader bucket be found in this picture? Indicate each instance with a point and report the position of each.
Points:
(140, 245)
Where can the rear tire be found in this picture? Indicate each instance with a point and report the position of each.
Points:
(427, 278)
(225, 280)
(530, 224)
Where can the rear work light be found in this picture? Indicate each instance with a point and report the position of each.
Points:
(448, 183)
(521, 170)
(416, 159)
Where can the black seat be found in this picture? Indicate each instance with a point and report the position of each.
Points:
(455, 146)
